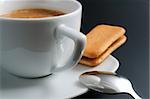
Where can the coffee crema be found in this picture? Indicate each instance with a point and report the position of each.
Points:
(33, 13)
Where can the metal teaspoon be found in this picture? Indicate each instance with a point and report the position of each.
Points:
(107, 82)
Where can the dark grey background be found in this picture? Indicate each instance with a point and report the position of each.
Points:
(133, 56)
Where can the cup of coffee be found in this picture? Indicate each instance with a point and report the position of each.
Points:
(40, 37)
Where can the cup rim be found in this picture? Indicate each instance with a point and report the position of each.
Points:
(46, 18)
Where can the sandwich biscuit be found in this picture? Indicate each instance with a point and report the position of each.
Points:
(95, 61)
(101, 38)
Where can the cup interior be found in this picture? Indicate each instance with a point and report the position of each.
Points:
(66, 6)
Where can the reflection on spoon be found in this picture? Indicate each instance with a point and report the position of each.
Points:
(107, 82)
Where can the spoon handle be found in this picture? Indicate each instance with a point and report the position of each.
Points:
(134, 94)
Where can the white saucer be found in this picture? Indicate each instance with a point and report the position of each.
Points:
(57, 86)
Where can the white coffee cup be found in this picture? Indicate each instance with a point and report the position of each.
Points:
(35, 47)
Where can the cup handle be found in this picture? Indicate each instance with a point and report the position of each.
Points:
(80, 43)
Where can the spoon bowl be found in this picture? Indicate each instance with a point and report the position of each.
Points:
(107, 82)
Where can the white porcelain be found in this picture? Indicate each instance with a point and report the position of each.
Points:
(62, 85)
(35, 47)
